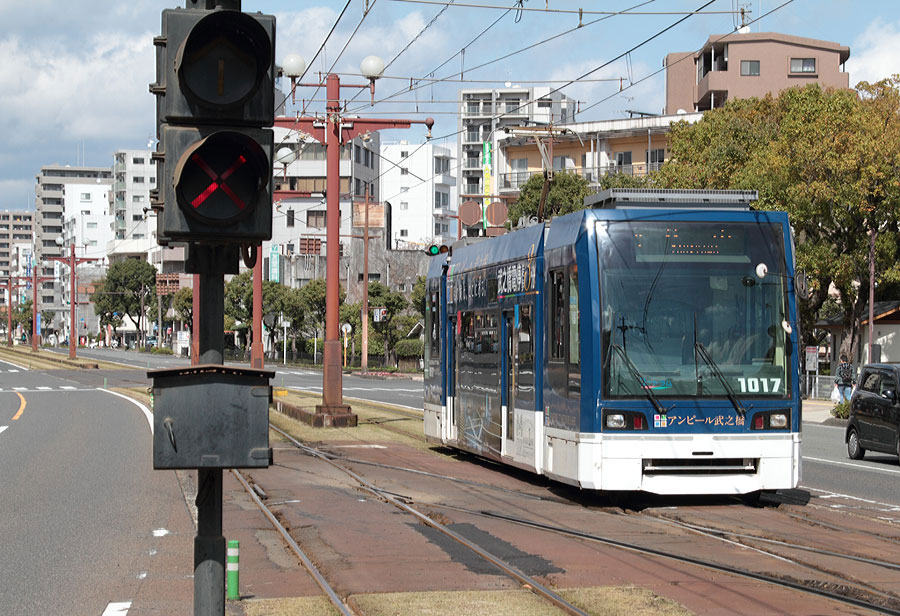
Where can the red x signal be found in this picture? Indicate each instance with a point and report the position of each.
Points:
(218, 181)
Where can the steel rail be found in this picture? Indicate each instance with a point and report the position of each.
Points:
(700, 563)
(513, 572)
(307, 563)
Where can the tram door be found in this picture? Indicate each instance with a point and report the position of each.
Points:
(449, 424)
(509, 363)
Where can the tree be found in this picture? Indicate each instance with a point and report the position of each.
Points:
(380, 296)
(239, 300)
(827, 157)
(417, 297)
(183, 305)
(566, 194)
(106, 306)
(129, 285)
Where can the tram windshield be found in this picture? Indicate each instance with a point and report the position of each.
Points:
(669, 288)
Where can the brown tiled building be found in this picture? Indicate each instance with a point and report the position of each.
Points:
(743, 65)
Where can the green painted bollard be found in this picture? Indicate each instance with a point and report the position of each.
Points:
(232, 574)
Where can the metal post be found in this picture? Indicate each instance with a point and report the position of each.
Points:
(332, 394)
(73, 331)
(209, 544)
(364, 359)
(195, 322)
(257, 358)
(233, 570)
(34, 282)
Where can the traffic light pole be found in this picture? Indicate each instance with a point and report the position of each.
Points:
(333, 132)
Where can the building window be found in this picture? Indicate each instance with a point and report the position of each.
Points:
(137, 179)
(623, 159)
(137, 161)
(441, 166)
(404, 189)
(83, 213)
(441, 199)
(136, 217)
(137, 198)
(750, 68)
(315, 218)
(803, 65)
(290, 218)
(404, 205)
(404, 232)
(92, 225)
(655, 158)
(85, 196)
(404, 171)
(404, 153)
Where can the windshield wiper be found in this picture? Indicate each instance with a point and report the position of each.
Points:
(714, 368)
(642, 382)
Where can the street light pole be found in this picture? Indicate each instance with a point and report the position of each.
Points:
(10, 286)
(333, 130)
(72, 262)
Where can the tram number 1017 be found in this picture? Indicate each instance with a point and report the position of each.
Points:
(755, 386)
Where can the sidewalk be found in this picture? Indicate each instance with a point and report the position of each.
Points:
(819, 411)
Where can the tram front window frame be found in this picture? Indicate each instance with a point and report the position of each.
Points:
(667, 286)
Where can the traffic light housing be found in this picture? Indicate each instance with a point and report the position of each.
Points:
(215, 95)
(437, 249)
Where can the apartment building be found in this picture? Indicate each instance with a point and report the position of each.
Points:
(747, 64)
(633, 146)
(296, 253)
(482, 113)
(419, 183)
(71, 206)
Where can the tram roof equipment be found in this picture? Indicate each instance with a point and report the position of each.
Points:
(672, 198)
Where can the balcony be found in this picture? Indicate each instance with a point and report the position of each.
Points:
(472, 163)
(512, 182)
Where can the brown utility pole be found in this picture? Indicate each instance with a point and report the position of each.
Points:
(364, 360)
(72, 262)
(334, 130)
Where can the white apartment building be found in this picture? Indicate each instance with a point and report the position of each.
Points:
(483, 113)
(296, 253)
(420, 184)
(62, 194)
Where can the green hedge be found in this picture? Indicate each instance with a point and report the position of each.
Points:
(410, 348)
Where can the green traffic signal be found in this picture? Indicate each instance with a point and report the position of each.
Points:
(437, 249)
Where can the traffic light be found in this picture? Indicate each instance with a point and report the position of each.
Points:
(437, 249)
(215, 91)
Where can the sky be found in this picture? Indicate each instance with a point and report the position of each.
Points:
(74, 77)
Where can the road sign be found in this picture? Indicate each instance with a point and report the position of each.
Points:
(346, 328)
(812, 359)
(274, 264)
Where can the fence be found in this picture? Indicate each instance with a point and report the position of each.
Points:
(817, 387)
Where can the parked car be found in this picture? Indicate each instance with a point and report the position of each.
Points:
(874, 423)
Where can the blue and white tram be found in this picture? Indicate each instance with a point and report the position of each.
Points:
(630, 348)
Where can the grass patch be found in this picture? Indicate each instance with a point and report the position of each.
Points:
(291, 606)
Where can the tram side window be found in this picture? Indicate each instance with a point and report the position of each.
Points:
(525, 380)
(433, 324)
(565, 358)
(574, 336)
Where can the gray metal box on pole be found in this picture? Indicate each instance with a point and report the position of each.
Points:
(211, 416)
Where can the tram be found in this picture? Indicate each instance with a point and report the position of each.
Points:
(648, 343)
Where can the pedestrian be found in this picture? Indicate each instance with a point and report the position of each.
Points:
(844, 378)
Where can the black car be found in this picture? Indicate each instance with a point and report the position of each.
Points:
(875, 412)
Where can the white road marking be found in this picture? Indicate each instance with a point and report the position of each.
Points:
(12, 364)
(20, 389)
(854, 465)
(160, 532)
(117, 609)
(2, 428)
(66, 387)
(147, 412)
(14, 370)
(830, 494)
(359, 447)
(44, 388)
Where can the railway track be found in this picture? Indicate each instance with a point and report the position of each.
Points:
(507, 568)
(848, 591)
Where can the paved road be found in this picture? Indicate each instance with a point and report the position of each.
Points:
(79, 500)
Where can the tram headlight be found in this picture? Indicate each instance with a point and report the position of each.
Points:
(615, 420)
(778, 420)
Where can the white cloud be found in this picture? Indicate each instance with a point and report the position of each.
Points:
(874, 53)
(53, 93)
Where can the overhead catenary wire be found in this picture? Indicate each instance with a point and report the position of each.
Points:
(570, 11)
